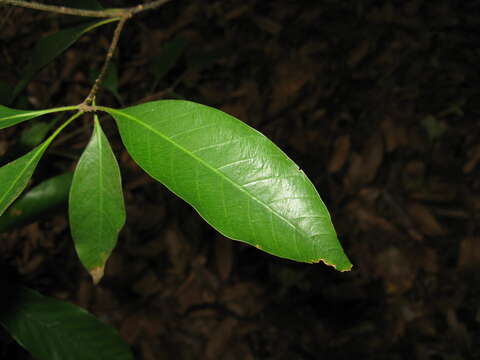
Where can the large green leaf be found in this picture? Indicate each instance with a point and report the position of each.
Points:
(15, 175)
(49, 47)
(97, 211)
(236, 178)
(55, 330)
(10, 117)
(38, 202)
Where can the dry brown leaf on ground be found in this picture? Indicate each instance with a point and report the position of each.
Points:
(223, 256)
(354, 173)
(372, 158)
(368, 219)
(436, 191)
(290, 77)
(131, 328)
(341, 149)
(363, 168)
(243, 298)
(148, 284)
(219, 339)
(358, 53)
(394, 135)
(425, 220)
(178, 249)
(267, 24)
(198, 288)
(397, 270)
(469, 254)
(473, 160)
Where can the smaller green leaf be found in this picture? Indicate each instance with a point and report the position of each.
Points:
(51, 46)
(96, 207)
(15, 175)
(55, 330)
(40, 200)
(10, 117)
(36, 133)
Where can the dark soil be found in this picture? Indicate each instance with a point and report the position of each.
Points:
(375, 100)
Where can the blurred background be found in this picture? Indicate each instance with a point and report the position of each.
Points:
(378, 103)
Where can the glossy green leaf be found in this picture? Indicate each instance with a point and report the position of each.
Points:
(38, 202)
(49, 47)
(15, 175)
(10, 117)
(236, 178)
(55, 330)
(96, 208)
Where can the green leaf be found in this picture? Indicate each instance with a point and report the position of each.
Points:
(40, 200)
(35, 134)
(97, 211)
(236, 178)
(49, 47)
(55, 330)
(10, 117)
(15, 175)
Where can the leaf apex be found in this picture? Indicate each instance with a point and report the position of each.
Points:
(97, 274)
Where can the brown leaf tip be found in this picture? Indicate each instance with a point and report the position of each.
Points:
(97, 274)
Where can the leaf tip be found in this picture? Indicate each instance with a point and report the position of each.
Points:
(97, 274)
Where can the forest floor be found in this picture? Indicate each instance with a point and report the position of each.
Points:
(377, 103)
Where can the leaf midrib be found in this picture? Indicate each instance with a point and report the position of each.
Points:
(98, 134)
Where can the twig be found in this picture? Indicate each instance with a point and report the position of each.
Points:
(108, 57)
(65, 10)
(149, 6)
(107, 13)
(124, 14)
